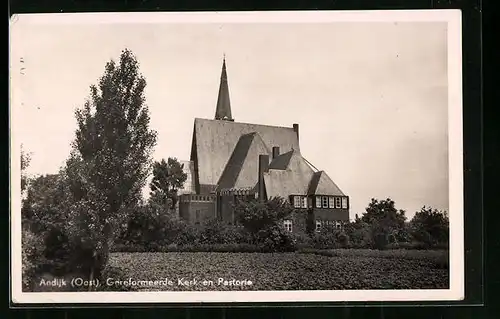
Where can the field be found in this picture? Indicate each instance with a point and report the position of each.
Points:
(308, 270)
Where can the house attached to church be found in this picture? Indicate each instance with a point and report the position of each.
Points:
(231, 160)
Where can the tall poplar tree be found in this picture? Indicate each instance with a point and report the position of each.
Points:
(110, 159)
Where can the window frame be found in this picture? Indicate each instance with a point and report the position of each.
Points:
(331, 202)
(319, 225)
(345, 204)
(338, 202)
(303, 201)
(288, 224)
(324, 201)
(296, 201)
(318, 201)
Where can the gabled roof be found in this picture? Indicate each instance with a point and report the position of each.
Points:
(322, 184)
(214, 142)
(293, 180)
(282, 161)
(242, 168)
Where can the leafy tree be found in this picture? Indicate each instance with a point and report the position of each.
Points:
(25, 162)
(330, 237)
(168, 178)
(384, 211)
(262, 221)
(110, 159)
(255, 215)
(41, 209)
(147, 226)
(430, 226)
(385, 221)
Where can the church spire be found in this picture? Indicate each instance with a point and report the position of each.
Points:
(223, 110)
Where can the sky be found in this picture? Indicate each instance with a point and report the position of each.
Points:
(371, 98)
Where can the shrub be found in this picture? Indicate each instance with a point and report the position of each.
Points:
(330, 238)
(255, 215)
(217, 232)
(422, 237)
(57, 245)
(303, 240)
(360, 235)
(275, 238)
(380, 240)
(430, 226)
(189, 235)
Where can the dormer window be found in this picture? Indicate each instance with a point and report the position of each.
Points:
(296, 201)
(299, 201)
(318, 201)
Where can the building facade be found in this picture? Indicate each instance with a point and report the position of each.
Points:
(231, 160)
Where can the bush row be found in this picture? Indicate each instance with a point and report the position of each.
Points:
(216, 236)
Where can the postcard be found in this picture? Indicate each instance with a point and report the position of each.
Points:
(236, 157)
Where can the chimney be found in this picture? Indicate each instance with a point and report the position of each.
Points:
(296, 129)
(276, 151)
(263, 168)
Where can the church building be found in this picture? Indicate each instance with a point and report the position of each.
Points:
(231, 160)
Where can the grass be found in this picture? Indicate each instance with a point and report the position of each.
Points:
(306, 270)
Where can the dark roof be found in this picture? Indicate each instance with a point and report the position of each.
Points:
(293, 180)
(241, 170)
(314, 183)
(281, 161)
(215, 140)
(322, 184)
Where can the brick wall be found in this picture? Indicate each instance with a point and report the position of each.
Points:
(226, 208)
(197, 208)
(333, 214)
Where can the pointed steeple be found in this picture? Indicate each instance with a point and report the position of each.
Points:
(223, 110)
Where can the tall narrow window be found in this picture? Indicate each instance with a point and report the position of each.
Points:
(324, 201)
(318, 201)
(304, 201)
(337, 202)
(344, 202)
(288, 224)
(331, 203)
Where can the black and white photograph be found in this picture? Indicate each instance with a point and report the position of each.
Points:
(236, 157)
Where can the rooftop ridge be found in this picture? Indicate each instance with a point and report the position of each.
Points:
(244, 123)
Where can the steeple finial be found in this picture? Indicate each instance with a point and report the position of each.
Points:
(223, 109)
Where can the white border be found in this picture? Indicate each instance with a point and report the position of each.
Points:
(456, 209)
